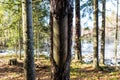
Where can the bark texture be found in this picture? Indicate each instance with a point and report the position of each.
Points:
(103, 33)
(28, 40)
(116, 34)
(20, 46)
(60, 52)
(78, 32)
(95, 35)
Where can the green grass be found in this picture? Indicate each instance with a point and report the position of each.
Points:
(86, 72)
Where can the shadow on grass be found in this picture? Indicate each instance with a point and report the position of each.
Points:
(8, 68)
(88, 73)
(42, 71)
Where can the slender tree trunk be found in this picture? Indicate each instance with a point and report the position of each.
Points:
(95, 36)
(78, 32)
(39, 44)
(16, 43)
(15, 47)
(51, 42)
(60, 57)
(36, 44)
(29, 68)
(103, 33)
(19, 34)
(70, 33)
(116, 34)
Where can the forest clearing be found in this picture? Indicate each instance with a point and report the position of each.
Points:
(42, 67)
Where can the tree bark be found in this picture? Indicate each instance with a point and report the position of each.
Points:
(19, 34)
(78, 32)
(95, 35)
(60, 56)
(103, 33)
(116, 34)
(36, 46)
(29, 68)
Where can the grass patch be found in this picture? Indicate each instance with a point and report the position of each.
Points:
(86, 72)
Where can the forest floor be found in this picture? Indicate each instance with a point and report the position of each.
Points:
(42, 66)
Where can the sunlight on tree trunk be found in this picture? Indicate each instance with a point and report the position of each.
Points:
(116, 34)
(29, 69)
(102, 61)
(95, 35)
(19, 34)
(60, 56)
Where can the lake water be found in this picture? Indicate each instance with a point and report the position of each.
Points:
(87, 48)
(87, 52)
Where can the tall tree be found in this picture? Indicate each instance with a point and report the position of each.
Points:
(19, 31)
(95, 35)
(78, 31)
(116, 33)
(19, 40)
(103, 33)
(61, 18)
(29, 69)
(40, 23)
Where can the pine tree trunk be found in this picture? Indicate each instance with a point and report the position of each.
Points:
(103, 33)
(29, 69)
(60, 56)
(36, 40)
(78, 52)
(39, 43)
(116, 34)
(95, 36)
(19, 39)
